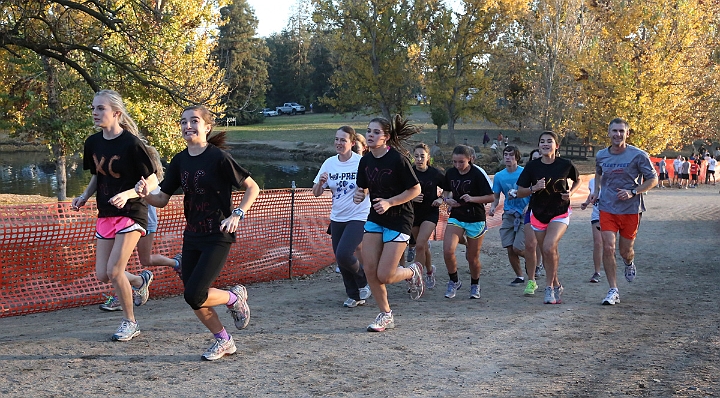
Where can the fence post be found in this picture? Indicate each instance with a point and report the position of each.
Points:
(292, 228)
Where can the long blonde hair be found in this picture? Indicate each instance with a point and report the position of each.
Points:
(117, 105)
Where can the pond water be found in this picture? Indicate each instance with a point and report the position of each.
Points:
(32, 173)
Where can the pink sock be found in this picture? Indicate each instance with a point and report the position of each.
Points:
(233, 298)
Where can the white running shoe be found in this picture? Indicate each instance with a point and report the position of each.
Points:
(141, 294)
(612, 297)
(126, 331)
(416, 284)
(351, 303)
(240, 311)
(365, 292)
(452, 289)
(382, 322)
(430, 279)
(219, 349)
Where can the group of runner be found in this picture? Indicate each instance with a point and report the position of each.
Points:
(379, 201)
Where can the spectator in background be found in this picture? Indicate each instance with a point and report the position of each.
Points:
(694, 171)
(677, 169)
(684, 173)
(486, 140)
(711, 164)
(662, 173)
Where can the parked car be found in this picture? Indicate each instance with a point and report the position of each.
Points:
(290, 108)
(267, 112)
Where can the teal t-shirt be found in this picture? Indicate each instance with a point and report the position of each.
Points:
(503, 182)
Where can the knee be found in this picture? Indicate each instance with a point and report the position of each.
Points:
(103, 277)
(608, 250)
(345, 258)
(422, 246)
(194, 299)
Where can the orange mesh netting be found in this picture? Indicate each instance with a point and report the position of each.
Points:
(48, 251)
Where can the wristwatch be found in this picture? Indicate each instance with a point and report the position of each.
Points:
(239, 212)
(633, 192)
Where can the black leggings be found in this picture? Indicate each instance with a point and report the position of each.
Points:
(201, 265)
(346, 236)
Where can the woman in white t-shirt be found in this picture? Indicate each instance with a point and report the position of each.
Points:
(347, 219)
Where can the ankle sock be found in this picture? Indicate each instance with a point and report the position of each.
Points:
(474, 281)
(453, 277)
(223, 334)
(233, 298)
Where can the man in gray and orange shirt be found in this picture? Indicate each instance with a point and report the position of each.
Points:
(622, 174)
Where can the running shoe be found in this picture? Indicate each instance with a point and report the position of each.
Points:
(474, 291)
(549, 295)
(337, 269)
(530, 288)
(178, 266)
(350, 303)
(382, 322)
(141, 294)
(126, 331)
(558, 290)
(219, 349)
(416, 284)
(612, 297)
(112, 303)
(595, 278)
(539, 270)
(517, 281)
(365, 292)
(452, 289)
(430, 279)
(410, 254)
(630, 271)
(240, 311)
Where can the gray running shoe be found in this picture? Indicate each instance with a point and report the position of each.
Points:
(430, 279)
(178, 267)
(219, 349)
(351, 303)
(382, 322)
(612, 297)
(240, 311)
(112, 303)
(416, 284)
(126, 331)
(410, 254)
(474, 291)
(550, 295)
(630, 271)
(558, 291)
(595, 278)
(539, 270)
(452, 289)
(365, 292)
(141, 294)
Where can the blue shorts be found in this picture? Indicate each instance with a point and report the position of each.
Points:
(473, 230)
(388, 235)
(152, 219)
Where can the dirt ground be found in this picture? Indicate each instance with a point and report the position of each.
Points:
(662, 340)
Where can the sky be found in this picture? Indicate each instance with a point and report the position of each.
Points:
(272, 15)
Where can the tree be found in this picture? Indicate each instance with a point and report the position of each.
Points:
(375, 50)
(648, 63)
(243, 57)
(439, 118)
(156, 54)
(459, 47)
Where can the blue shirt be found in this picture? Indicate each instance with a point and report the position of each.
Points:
(503, 182)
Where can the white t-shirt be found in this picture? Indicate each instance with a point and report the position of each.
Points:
(342, 177)
(711, 164)
(595, 216)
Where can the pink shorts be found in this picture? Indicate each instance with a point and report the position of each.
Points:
(539, 226)
(108, 227)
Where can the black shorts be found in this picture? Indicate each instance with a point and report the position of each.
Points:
(684, 176)
(711, 172)
(694, 177)
(421, 216)
(663, 176)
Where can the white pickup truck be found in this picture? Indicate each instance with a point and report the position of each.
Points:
(290, 108)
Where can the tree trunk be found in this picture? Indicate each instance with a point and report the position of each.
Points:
(451, 131)
(58, 149)
(438, 140)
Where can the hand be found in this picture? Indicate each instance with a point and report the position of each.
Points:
(359, 196)
(418, 199)
(452, 202)
(565, 195)
(230, 224)
(584, 205)
(77, 203)
(539, 185)
(323, 178)
(624, 194)
(512, 194)
(491, 211)
(141, 188)
(466, 198)
(119, 200)
(437, 202)
(380, 205)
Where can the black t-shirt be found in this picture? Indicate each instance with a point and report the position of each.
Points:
(429, 180)
(207, 180)
(118, 164)
(385, 177)
(472, 183)
(548, 203)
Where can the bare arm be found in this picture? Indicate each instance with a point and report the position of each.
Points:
(494, 205)
(80, 201)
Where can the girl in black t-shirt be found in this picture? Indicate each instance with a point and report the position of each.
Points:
(465, 191)
(386, 175)
(546, 180)
(427, 209)
(117, 158)
(207, 175)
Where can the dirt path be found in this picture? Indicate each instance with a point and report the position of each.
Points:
(662, 340)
